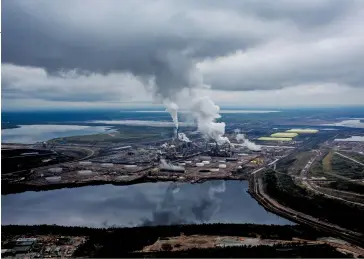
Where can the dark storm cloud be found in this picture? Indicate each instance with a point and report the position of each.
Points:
(281, 43)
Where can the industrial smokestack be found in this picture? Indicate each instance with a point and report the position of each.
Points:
(176, 72)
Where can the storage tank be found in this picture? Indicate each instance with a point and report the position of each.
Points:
(107, 165)
(53, 179)
(206, 162)
(85, 172)
(85, 163)
(222, 166)
(55, 170)
(200, 164)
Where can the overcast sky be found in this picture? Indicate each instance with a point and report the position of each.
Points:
(112, 53)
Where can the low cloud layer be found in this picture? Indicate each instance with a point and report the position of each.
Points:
(114, 51)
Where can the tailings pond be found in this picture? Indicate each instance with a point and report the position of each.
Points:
(159, 203)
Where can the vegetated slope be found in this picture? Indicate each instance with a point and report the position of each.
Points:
(282, 188)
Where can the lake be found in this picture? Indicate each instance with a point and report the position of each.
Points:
(30, 134)
(161, 203)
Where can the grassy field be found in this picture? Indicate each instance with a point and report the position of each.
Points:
(346, 168)
(358, 157)
(326, 162)
(300, 162)
(339, 169)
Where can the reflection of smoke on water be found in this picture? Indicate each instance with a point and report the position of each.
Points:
(200, 209)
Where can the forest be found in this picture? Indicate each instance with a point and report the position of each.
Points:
(282, 188)
(118, 242)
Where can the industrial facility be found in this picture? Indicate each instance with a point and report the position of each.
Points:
(179, 159)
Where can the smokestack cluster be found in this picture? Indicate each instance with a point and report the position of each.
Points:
(246, 142)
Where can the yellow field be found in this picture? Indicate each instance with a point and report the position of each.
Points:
(309, 131)
(284, 135)
(274, 139)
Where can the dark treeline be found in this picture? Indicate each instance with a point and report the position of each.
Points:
(126, 240)
(285, 191)
(9, 188)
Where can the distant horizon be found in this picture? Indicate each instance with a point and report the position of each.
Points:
(161, 108)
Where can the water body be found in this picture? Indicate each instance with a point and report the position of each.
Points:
(160, 203)
(30, 134)
(352, 138)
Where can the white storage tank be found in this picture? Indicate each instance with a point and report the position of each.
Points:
(107, 165)
(85, 163)
(206, 162)
(200, 164)
(85, 172)
(55, 170)
(222, 165)
(53, 179)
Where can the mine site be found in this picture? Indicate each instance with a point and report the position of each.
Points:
(182, 129)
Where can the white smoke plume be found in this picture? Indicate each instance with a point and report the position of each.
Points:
(172, 108)
(246, 142)
(183, 137)
(168, 166)
(206, 112)
(175, 73)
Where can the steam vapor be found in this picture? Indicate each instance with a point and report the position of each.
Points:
(206, 113)
(183, 137)
(172, 108)
(176, 73)
(246, 142)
